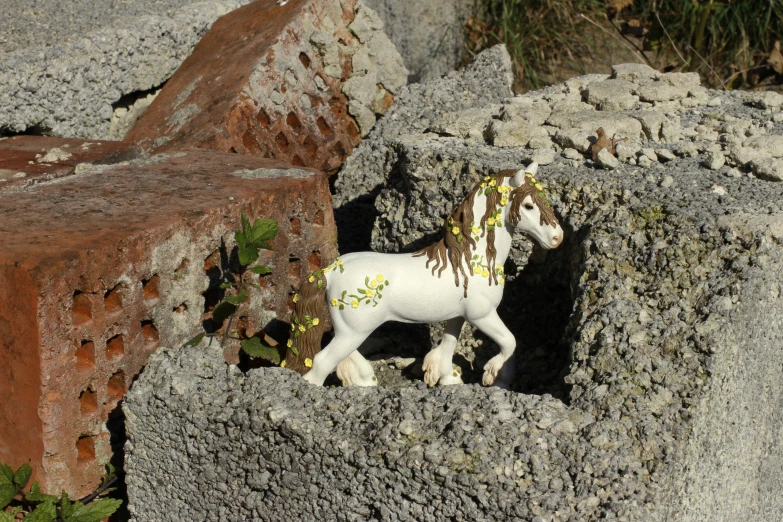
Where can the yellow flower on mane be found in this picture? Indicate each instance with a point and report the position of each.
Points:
(373, 283)
(334, 301)
(301, 328)
(289, 343)
(483, 185)
(475, 230)
(455, 230)
(491, 221)
(538, 186)
(296, 297)
(315, 322)
(493, 183)
(311, 278)
(379, 278)
(282, 364)
(292, 327)
(309, 363)
(368, 292)
(339, 262)
(354, 303)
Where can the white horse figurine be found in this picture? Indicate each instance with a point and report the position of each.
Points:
(365, 289)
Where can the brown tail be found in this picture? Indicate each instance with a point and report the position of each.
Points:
(308, 323)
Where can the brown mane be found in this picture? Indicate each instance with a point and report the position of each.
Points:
(450, 249)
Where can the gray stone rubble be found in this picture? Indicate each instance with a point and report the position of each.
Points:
(649, 361)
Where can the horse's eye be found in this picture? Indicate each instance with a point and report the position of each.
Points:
(529, 206)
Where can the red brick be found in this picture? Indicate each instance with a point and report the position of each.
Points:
(27, 160)
(99, 269)
(223, 96)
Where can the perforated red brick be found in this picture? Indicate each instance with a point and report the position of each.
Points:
(100, 269)
(260, 83)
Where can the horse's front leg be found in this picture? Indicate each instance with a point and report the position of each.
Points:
(437, 364)
(500, 369)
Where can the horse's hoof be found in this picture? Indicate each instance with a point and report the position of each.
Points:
(492, 369)
(430, 367)
(452, 378)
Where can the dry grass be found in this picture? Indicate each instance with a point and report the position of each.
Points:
(729, 42)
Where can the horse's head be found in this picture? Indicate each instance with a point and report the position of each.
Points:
(530, 211)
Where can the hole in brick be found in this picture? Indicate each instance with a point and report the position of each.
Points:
(339, 150)
(181, 269)
(88, 402)
(337, 105)
(249, 141)
(150, 288)
(304, 59)
(323, 126)
(282, 142)
(85, 450)
(315, 101)
(232, 150)
(149, 332)
(297, 161)
(263, 118)
(293, 122)
(296, 227)
(315, 260)
(82, 311)
(116, 386)
(115, 347)
(310, 147)
(294, 267)
(318, 219)
(85, 356)
(181, 308)
(112, 300)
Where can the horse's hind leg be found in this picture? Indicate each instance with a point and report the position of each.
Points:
(327, 359)
(355, 370)
(437, 364)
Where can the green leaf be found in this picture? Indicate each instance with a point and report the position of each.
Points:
(22, 475)
(93, 512)
(193, 342)
(320, 283)
(295, 351)
(255, 348)
(7, 494)
(9, 516)
(246, 228)
(342, 307)
(6, 474)
(380, 287)
(248, 255)
(222, 311)
(366, 281)
(237, 299)
(227, 284)
(386, 283)
(241, 239)
(264, 229)
(35, 494)
(45, 512)
(66, 508)
(261, 270)
(307, 318)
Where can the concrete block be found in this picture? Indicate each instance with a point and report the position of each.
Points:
(101, 266)
(278, 81)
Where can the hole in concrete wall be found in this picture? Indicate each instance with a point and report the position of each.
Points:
(88, 402)
(181, 270)
(150, 288)
(315, 101)
(263, 118)
(116, 386)
(85, 450)
(33, 130)
(311, 148)
(304, 59)
(297, 161)
(85, 356)
(338, 106)
(296, 227)
(82, 309)
(112, 300)
(181, 308)
(293, 121)
(115, 347)
(318, 218)
(282, 142)
(314, 260)
(323, 126)
(339, 151)
(294, 267)
(150, 333)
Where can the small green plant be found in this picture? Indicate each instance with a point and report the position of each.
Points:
(250, 240)
(35, 506)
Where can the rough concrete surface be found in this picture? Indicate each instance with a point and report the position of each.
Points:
(430, 36)
(650, 341)
(103, 263)
(65, 65)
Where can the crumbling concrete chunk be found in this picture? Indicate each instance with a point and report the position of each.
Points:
(606, 160)
(470, 123)
(366, 23)
(770, 169)
(661, 91)
(634, 72)
(769, 100)
(612, 95)
(772, 144)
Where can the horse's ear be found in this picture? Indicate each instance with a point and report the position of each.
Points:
(519, 178)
